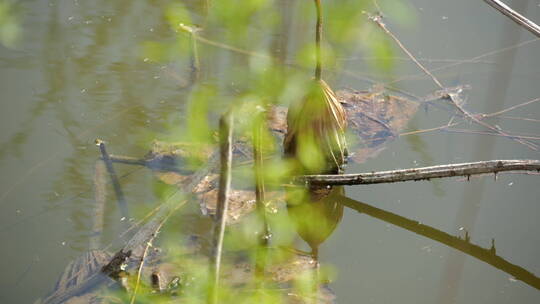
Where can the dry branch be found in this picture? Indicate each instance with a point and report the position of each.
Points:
(515, 16)
(425, 173)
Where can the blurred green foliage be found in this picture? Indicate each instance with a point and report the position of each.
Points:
(10, 23)
(238, 57)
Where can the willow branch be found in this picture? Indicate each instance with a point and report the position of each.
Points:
(425, 173)
(515, 16)
(464, 245)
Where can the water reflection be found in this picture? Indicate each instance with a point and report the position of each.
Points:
(464, 245)
(80, 75)
(316, 214)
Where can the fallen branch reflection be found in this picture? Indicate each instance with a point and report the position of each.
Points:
(464, 245)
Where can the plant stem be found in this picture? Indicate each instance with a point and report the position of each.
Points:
(225, 135)
(318, 34)
(260, 190)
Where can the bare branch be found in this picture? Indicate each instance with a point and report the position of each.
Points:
(425, 173)
(515, 16)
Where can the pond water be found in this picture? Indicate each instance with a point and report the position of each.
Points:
(79, 74)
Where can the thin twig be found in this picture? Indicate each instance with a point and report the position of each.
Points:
(221, 45)
(467, 131)
(425, 173)
(452, 96)
(114, 179)
(430, 60)
(378, 20)
(471, 60)
(429, 130)
(225, 134)
(515, 16)
(510, 108)
(521, 118)
(464, 245)
(480, 116)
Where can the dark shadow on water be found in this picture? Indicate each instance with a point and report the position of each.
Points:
(488, 256)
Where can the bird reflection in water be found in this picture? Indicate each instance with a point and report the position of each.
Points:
(315, 212)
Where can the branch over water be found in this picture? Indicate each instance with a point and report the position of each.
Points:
(425, 173)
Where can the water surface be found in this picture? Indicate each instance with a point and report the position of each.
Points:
(79, 74)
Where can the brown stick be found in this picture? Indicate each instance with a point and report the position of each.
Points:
(464, 245)
(425, 173)
(515, 16)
